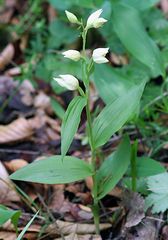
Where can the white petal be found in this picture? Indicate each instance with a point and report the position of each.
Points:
(60, 81)
(99, 52)
(72, 54)
(94, 16)
(71, 17)
(70, 81)
(100, 60)
(99, 22)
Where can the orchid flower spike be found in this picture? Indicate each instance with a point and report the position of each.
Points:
(72, 54)
(99, 55)
(71, 17)
(67, 81)
(94, 20)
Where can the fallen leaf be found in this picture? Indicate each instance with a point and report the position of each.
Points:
(53, 135)
(26, 90)
(89, 183)
(74, 236)
(42, 101)
(6, 55)
(16, 131)
(7, 192)
(78, 228)
(4, 235)
(165, 232)
(116, 192)
(15, 164)
(145, 231)
(57, 197)
(13, 72)
(135, 205)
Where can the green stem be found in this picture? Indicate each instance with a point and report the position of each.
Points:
(95, 209)
(86, 73)
(133, 165)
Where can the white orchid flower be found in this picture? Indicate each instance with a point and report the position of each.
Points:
(72, 54)
(71, 17)
(68, 81)
(94, 21)
(99, 55)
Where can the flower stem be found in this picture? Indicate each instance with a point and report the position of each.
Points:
(86, 73)
(133, 165)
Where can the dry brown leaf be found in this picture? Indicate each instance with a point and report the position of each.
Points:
(6, 55)
(31, 236)
(53, 135)
(53, 124)
(5, 16)
(89, 182)
(17, 130)
(7, 235)
(57, 197)
(13, 72)
(134, 204)
(78, 228)
(26, 89)
(7, 192)
(7, 10)
(42, 101)
(165, 232)
(15, 164)
(8, 226)
(116, 192)
(145, 231)
(73, 236)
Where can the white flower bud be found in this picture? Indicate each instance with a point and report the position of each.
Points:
(67, 81)
(94, 21)
(71, 17)
(99, 55)
(72, 54)
(99, 22)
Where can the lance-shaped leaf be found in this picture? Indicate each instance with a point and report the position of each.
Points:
(21, 235)
(130, 30)
(113, 168)
(146, 167)
(6, 214)
(53, 170)
(110, 83)
(71, 122)
(115, 114)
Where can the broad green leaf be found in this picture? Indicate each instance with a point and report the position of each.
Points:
(6, 214)
(71, 122)
(21, 235)
(141, 184)
(110, 83)
(148, 167)
(130, 30)
(158, 185)
(58, 109)
(53, 170)
(116, 114)
(113, 168)
(141, 4)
